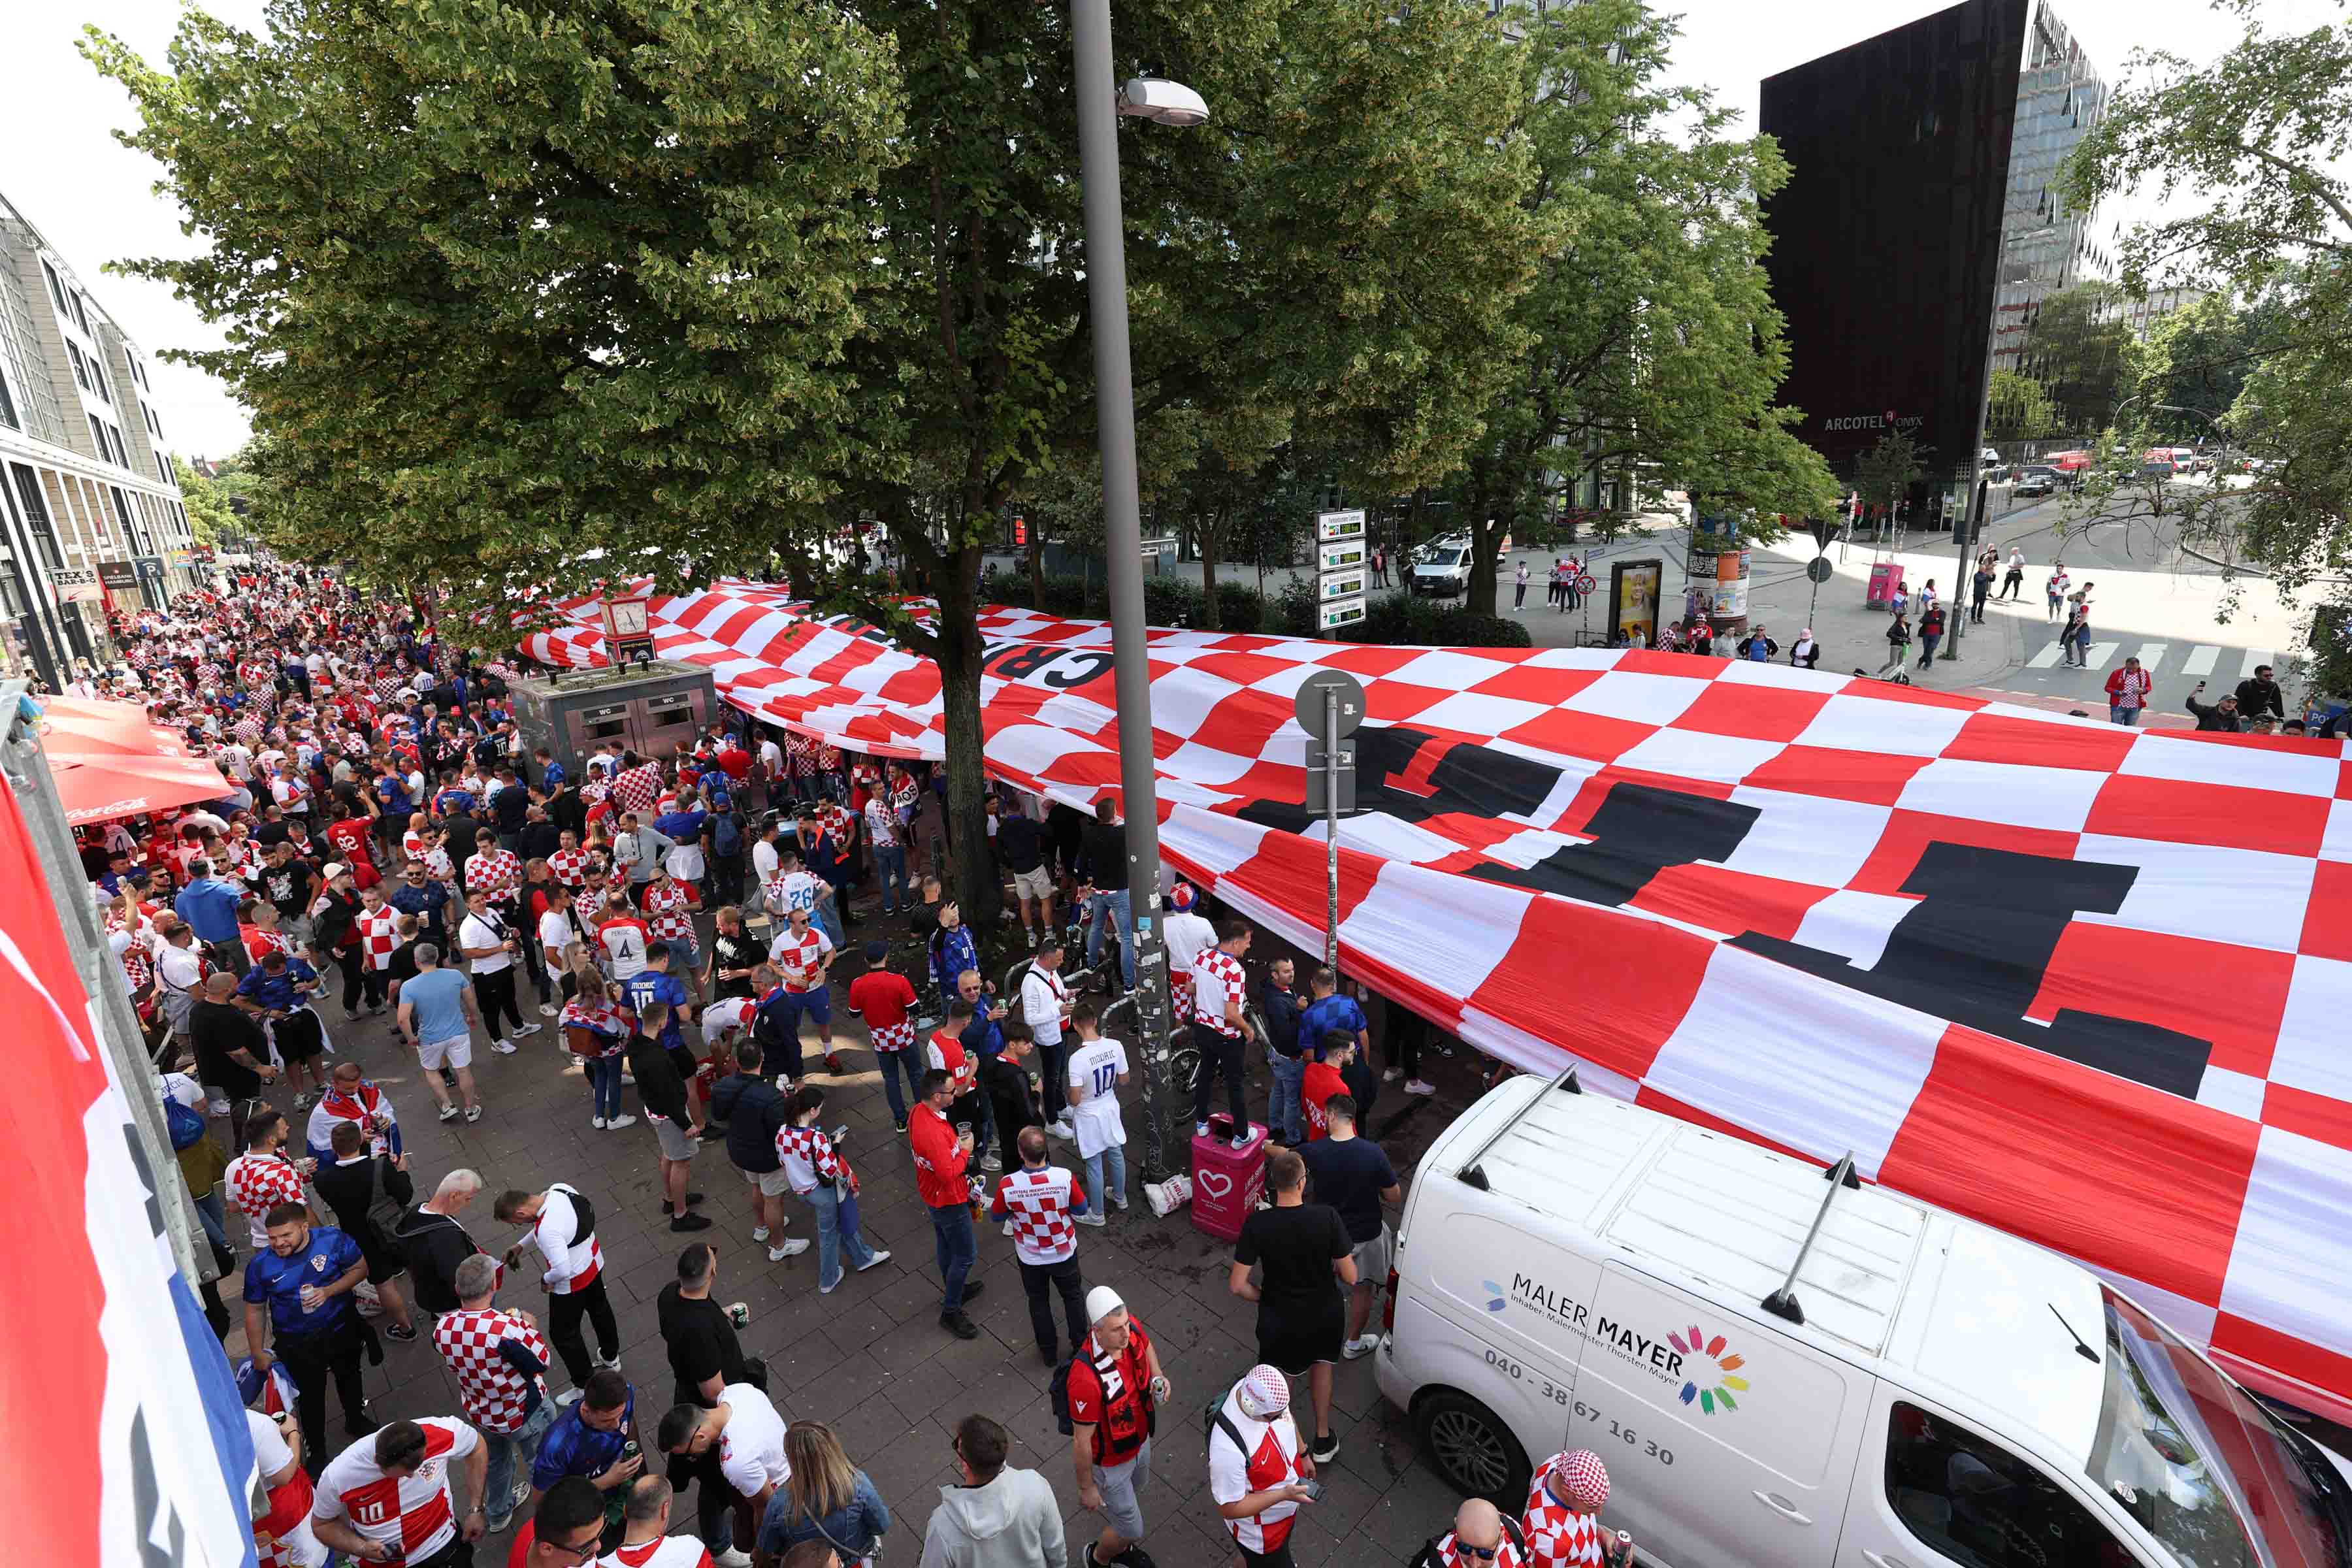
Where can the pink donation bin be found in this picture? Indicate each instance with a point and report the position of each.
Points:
(1883, 577)
(1226, 1181)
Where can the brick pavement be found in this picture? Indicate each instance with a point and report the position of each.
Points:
(871, 1359)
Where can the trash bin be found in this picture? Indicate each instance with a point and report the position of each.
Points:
(1226, 1181)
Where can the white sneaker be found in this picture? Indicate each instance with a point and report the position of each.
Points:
(1008, 1226)
(527, 1028)
(991, 1162)
(1060, 1130)
(880, 1256)
(1363, 1345)
(1391, 1075)
(791, 1249)
(504, 1048)
(569, 1396)
(760, 1233)
(1200, 1130)
(473, 1113)
(548, 1009)
(1415, 1086)
(734, 1557)
(1089, 1217)
(596, 1121)
(218, 1108)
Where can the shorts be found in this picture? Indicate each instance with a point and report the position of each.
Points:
(1037, 884)
(1119, 1485)
(1293, 1335)
(1372, 1259)
(676, 1143)
(298, 1036)
(384, 1265)
(456, 1053)
(1278, 1557)
(815, 1006)
(771, 1183)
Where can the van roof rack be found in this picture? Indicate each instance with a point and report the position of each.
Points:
(1470, 1173)
(1783, 1303)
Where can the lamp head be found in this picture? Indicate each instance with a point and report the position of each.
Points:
(1163, 102)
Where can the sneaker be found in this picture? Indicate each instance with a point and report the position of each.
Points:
(693, 1200)
(1120, 1204)
(522, 1490)
(880, 1256)
(609, 1364)
(1326, 1447)
(734, 1557)
(898, 1123)
(473, 1113)
(1200, 1130)
(825, 1289)
(832, 1063)
(991, 1162)
(499, 1522)
(526, 1028)
(569, 1396)
(620, 1121)
(713, 1134)
(449, 1113)
(1060, 1130)
(398, 1333)
(504, 1048)
(972, 1287)
(1415, 1086)
(791, 1248)
(1088, 1218)
(1240, 1141)
(1028, 937)
(548, 1010)
(1133, 1557)
(1391, 1075)
(376, 1010)
(597, 1122)
(959, 1325)
(304, 1101)
(686, 1222)
(220, 1107)
(760, 1233)
(1362, 1345)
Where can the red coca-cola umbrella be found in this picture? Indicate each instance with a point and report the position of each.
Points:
(98, 786)
(80, 725)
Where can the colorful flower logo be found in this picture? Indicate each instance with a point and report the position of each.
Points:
(1697, 1346)
(1494, 1303)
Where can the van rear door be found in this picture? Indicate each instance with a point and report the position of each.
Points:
(1728, 1442)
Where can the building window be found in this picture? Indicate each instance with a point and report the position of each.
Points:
(57, 289)
(80, 366)
(98, 436)
(9, 406)
(37, 514)
(80, 314)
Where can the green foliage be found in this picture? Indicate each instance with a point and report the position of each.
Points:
(507, 284)
(209, 517)
(1884, 474)
(2017, 408)
(2077, 349)
(1651, 338)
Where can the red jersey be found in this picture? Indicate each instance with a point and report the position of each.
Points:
(885, 1001)
(940, 1158)
(1322, 1080)
(1112, 1393)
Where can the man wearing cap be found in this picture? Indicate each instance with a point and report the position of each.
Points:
(1562, 1522)
(1115, 1384)
(1256, 1466)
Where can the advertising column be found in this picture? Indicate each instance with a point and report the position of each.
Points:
(1716, 571)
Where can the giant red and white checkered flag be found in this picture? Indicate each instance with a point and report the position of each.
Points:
(2073, 980)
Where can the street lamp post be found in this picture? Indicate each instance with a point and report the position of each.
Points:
(1100, 103)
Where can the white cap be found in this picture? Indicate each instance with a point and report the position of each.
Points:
(1101, 1302)
(336, 871)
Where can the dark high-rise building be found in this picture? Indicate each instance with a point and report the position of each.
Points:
(1887, 239)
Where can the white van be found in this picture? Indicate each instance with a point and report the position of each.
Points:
(1578, 1272)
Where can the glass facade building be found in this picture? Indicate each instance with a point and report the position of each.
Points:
(2045, 246)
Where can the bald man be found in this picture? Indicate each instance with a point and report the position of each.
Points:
(1481, 1538)
(232, 1053)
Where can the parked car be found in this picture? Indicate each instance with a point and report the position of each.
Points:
(1444, 569)
(1926, 1391)
(2037, 479)
(2157, 463)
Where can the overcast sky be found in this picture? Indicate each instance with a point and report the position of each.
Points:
(92, 196)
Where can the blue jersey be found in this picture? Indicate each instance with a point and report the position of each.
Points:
(552, 776)
(650, 985)
(1333, 1012)
(572, 1448)
(952, 953)
(278, 992)
(279, 1281)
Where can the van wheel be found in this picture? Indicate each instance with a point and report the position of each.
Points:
(1472, 1448)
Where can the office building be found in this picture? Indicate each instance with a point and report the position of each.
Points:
(1921, 196)
(91, 521)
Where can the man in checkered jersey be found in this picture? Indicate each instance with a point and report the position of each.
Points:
(1040, 1199)
(1562, 1523)
(500, 1360)
(378, 927)
(387, 1497)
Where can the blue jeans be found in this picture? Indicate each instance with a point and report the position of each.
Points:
(1114, 909)
(957, 1250)
(837, 1230)
(1111, 1161)
(2126, 716)
(890, 868)
(505, 1447)
(911, 1062)
(1284, 1113)
(605, 1085)
(828, 920)
(209, 1209)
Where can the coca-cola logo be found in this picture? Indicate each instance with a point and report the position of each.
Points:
(129, 807)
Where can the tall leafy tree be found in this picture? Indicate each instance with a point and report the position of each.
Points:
(2017, 408)
(1650, 340)
(2077, 350)
(2251, 146)
(1280, 256)
(1884, 474)
(527, 294)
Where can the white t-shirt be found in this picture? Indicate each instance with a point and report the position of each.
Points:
(773, 755)
(556, 933)
(726, 1012)
(1187, 935)
(751, 1449)
(475, 932)
(299, 1546)
(1042, 995)
(1097, 1065)
(763, 861)
(179, 1086)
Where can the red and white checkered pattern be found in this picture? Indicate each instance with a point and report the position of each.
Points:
(1559, 1536)
(570, 867)
(2228, 859)
(669, 909)
(379, 930)
(1038, 1203)
(809, 1157)
(1217, 975)
(637, 788)
(496, 872)
(259, 1183)
(496, 1396)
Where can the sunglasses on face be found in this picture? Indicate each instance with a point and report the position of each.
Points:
(1476, 1553)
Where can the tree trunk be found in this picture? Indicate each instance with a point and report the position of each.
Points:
(960, 653)
(1485, 534)
(1206, 534)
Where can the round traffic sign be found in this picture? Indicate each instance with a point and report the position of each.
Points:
(1316, 713)
(1587, 582)
(1819, 569)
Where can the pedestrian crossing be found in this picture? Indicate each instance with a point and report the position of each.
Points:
(2200, 664)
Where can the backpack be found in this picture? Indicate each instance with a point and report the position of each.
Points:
(384, 1211)
(1057, 1393)
(183, 1122)
(727, 837)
